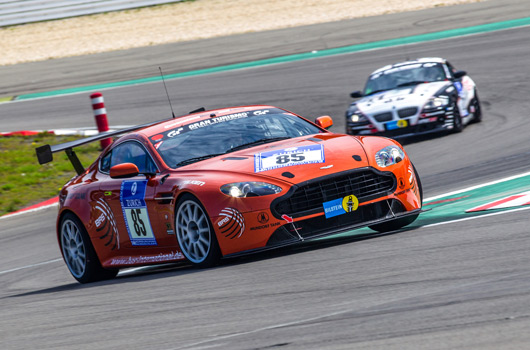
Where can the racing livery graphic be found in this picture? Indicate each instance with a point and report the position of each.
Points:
(222, 183)
(415, 97)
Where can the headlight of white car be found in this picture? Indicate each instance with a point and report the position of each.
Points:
(355, 116)
(249, 189)
(436, 102)
(388, 156)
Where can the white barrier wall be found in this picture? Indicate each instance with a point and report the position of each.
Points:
(13, 12)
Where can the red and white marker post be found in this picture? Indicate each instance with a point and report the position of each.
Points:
(100, 113)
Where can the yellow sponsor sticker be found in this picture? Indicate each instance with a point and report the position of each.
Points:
(402, 123)
(350, 203)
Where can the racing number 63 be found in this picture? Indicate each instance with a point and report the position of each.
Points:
(293, 157)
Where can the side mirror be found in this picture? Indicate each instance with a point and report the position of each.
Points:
(325, 122)
(356, 94)
(124, 170)
(459, 74)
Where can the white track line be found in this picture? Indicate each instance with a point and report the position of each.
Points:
(32, 265)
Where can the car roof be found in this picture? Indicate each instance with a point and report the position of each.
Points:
(419, 60)
(199, 116)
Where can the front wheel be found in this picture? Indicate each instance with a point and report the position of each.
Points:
(458, 126)
(78, 253)
(195, 234)
(477, 110)
(401, 222)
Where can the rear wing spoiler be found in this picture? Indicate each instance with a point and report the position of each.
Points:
(45, 153)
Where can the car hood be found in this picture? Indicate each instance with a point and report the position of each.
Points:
(410, 96)
(340, 153)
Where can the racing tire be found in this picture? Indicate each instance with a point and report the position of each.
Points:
(458, 125)
(477, 115)
(394, 225)
(195, 233)
(78, 252)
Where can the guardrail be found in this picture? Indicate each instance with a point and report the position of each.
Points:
(13, 12)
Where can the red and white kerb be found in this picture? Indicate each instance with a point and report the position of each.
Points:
(507, 202)
(100, 113)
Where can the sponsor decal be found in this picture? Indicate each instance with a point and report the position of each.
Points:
(216, 120)
(106, 225)
(175, 132)
(397, 124)
(288, 157)
(263, 112)
(412, 181)
(340, 206)
(132, 198)
(262, 227)
(157, 137)
(231, 223)
(193, 182)
(459, 88)
(263, 217)
(157, 145)
(138, 260)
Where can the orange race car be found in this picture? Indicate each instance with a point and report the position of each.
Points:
(222, 183)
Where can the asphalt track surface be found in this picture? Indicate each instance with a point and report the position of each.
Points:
(459, 285)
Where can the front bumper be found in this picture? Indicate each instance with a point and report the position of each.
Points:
(429, 122)
(318, 227)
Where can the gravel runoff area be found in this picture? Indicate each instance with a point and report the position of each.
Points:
(184, 21)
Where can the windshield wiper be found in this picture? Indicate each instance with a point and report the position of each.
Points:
(416, 82)
(196, 159)
(257, 142)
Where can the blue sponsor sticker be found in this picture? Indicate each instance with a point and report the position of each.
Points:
(288, 157)
(340, 206)
(132, 199)
(333, 208)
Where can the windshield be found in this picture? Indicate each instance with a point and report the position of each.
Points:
(215, 136)
(406, 75)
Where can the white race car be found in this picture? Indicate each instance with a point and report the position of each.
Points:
(412, 98)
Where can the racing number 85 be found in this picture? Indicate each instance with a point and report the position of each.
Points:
(139, 226)
(293, 157)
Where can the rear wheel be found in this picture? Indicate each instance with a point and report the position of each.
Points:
(401, 222)
(78, 253)
(195, 234)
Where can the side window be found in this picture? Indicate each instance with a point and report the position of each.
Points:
(130, 152)
(451, 68)
(105, 163)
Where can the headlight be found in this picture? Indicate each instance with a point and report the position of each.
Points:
(388, 156)
(355, 116)
(436, 102)
(250, 189)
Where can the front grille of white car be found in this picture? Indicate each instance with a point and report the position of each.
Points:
(383, 117)
(407, 112)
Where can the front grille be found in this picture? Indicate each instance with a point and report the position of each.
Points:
(407, 112)
(383, 117)
(308, 198)
(316, 226)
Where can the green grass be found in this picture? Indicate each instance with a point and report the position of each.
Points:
(23, 181)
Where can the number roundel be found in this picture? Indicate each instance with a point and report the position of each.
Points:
(287, 158)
